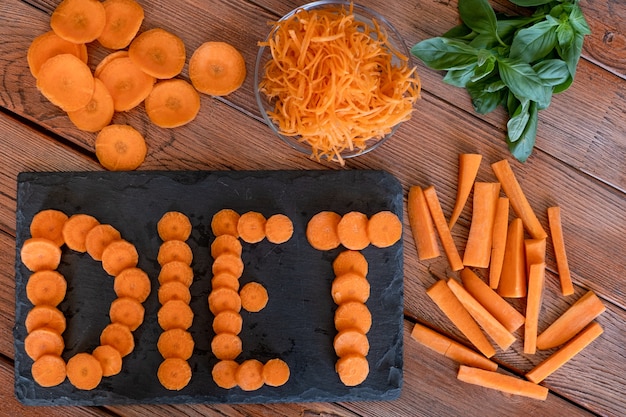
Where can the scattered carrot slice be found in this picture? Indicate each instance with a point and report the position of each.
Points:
(469, 163)
(172, 103)
(43, 341)
(175, 314)
(223, 374)
(106, 60)
(49, 370)
(226, 243)
(174, 290)
(66, 81)
(350, 261)
(278, 228)
(84, 371)
(49, 225)
(174, 225)
(158, 53)
(118, 256)
(224, 222)
(176, 271)
(352, 230)
(251, 227)
(350, 286)
(223, 298)
(174, 250)
(249, 375)
(353, 315)
(275, 372)
(253, 297)
(123, 20)
(39, 254)
(352, 369)
(501, 382)
(176, 343)
(78, 21)
(558, 243)
(126, 82)
(46, 288)
(98, 238)
(225, 279)
(133, 283)
(229, 263)
(384, 229)
(118, 336)
(45, 316)
(120, 148)
(217, 68)
(49, 44)
(75, 231)
(227, 321)
(127, 311)
(349, 341)
(321, 230)
(174, 374)
(109, 358)
(98, 113)
(226, 346)
(422, 226)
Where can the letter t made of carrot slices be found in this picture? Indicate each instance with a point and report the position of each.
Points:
(478, 247)
(442, 228)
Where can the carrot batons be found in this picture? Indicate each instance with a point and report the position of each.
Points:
(120, 148)
(352, 230)
(158, 53)
(66, 81)
(469, 163)
(75, 231)
(174, 225)
(39, 254)
(498, 245)
(49, 44)
(126, 82)
(321, 230)
(251, 227)
(536, 282)
(443, 230)
(98, 112)
(110, 359)
(49, 370)
(513, 276)
(556, 231)
(123, 20)
(217, 68)
(253, 297)
(78, 21)
(84, 371)
(421, 223)
(46, 288)
(479, 242)
(174, 373)
(278, 228)
(501, 382)
(172, 103)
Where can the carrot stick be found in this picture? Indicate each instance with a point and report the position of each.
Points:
(564, 354)
(501, 382)
(573, 320)
(556, 230)
(488, 322)
(513, 278)
(445, 299)
(535, 250)
(479, 242)
(536, 281)
(451, 349)
(442, 228)
(498, 244)
(468, 168)
(421, 223)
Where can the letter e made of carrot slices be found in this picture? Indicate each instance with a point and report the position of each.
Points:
(536, 283)
(422, 226)
(217, 68)
(120, 148)
(480, 239)
(498, 245)
(321, 230)
(443, 230)
(513, 277)
(251, 227)
(278, 228)
(469, 163)
(225, 222)
(253, 297)
(558, 243)
(501, 382)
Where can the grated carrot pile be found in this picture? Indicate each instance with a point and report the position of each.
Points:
(335, 83)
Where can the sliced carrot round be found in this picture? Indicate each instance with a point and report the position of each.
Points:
(98, 113)
(49, 224)
(158, 53)
(217, 68)
(174, 290)
(176, 343)
(172, 103)
(321, 230)
(119, 336)
(226, 346)
(352, 230)
(174, 225)
(351, 341)
(175, 314)
(228, 262)
(253, 297)
(384, 229)
(350, 286)
(249, 375)
(174, 250)
(118, 256)
(106, 60)
(223, 374)
(75, 231)
(353, 315)
(39, 254)
(49, 370)
(133, 283)
(350, 261)
(223, 298)
(98, 238)
(127, 311)
(176, 271)
(227, 321)
(78, 21)
(109, 358)
(225, 279)
(226, 243)
(66, 81)
(123, 20)
(275, 372)
(352, 369)
(224, 222)
(120, 148)
(49, 44)
(251, 227)
(84, 371)
(46, 288)
(126, 82)
(174, 373)
(43, 341)
(45, 317)
(278, 228)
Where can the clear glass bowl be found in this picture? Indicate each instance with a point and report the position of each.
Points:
(362, 14)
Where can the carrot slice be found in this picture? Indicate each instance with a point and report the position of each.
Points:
(118, 256)
(66, 81)
(384, 229)
(217, 68)
(519, 202)
(251, 227)
(498, 244)
(226, 346)
(158, 53)
(223, 374)
(45, 317)
(133, 283)
(43, 341)
(226, 243)
(421, 223)
(75, 231)
(480, 239)
(350, 261)
(253, 297)
(49, 370)
(513, 277)
(172, 103)
(98, 113)
(175, 314)
(123, 20)
(98, 238)
(451, 349)
(223, 298)
(558, 243)
(353, 315)
(278, 228)
(48, 224)
(229, 263)
(225, 279)
(469, 163)
(249, 375)
(174, 250)
(174, 374)
(224, 222)
(127, 311)
(84, 371)
(106, 60)
(176, 271)
(276, 372)
(174, 225)
(352, 369)
(49, 44)
(39, 254)
(352, 230)
(118, 336)
(46, 288)
(501, 382)
(176, 343)
(349, 341)
(126, 82)
(447, 302)
(321, 230)
(573, 320)
(120, 148)
(109, 358)
(434, 206)
(78, 21)
(174, 290)
(227, 321)
(536, 279)
(350, 286)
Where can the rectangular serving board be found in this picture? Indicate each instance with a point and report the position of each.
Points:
(297, 323)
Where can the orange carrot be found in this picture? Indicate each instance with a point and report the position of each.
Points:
(224, 222)
(558, 243)
(275, 372)
(249, 375)
(350, 341)
(353, 315)
(120, 148)
(118, 256)
(106, 60)
(565, 353)
(352, 369)
(78, 21)
(443, 230)
(99, 238)
(384, 229)
(496, 331)
(172, 103)
(49, 44)
(175, 314)
(134, 283)
(217, 68)
(536, 279)
(480, 239)
(97, 113)
(224, 298)
(176, 343)
(504, 383)
(109, 358)
(48, 224)
(176, 271)
(174, 290)
(39, 254)
(118, 336)
(225, 279)
(278, 228)
(321, 230)
(226, 243)
(451, 349)
(513, 277)
(227, 321)
(251, 227)
(75, 231)
(43, 341)
(229, 263)
(66, 81)
(127, 311)
(573, 320)
(422, 226)
(123, 20)
(253, 297)
(535, 252)
(350, 261)
(49, 370)
(46, 288)
(447, 302)
(45, 317)
(174, 250)
(352, 230)
(174, 225)
(518, 199)
(84, 371)
(226, 346)
(158, 53)
(498, 245)
(504, 312)
(223, 374)
(126, 82)
(350, 286)
(174, 374)
(469, 163)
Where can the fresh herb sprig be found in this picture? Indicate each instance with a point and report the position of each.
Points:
(518, 62)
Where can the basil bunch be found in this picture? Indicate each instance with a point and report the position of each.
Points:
(514, 61)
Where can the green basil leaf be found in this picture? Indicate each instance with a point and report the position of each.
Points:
(460, 32)
(484, 41)
(459, 77)
(578, 21)
(478, 15)
(535, 42)
(518, 121)
(507, 26)
(521, 79)
(564, 33)
(445, 54)
(530, 3)
(485, 68)
(570, 52)
(563, 86)
(545, 99)
(484, 100)
(522, 148)
(552, 71)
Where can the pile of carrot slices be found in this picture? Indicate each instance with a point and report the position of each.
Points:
(512, 253)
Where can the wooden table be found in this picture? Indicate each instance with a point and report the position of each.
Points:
(578, 163)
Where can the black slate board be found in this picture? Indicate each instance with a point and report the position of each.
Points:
(296, 325)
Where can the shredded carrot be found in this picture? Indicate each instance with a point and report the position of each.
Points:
(334, 81)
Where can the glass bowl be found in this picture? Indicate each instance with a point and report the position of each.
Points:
(362, 14)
